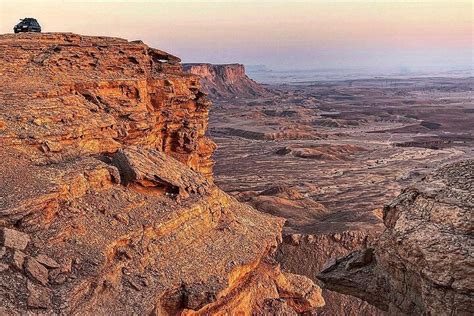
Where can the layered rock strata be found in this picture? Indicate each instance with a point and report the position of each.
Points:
(226, 81)
(422, 263)
(107, 201)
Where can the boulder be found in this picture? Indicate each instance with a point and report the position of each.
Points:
(12, 238)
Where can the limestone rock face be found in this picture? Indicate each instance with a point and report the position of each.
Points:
(107, 204)
(226, 81)
(422, 263)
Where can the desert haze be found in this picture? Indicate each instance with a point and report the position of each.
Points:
(236, 158)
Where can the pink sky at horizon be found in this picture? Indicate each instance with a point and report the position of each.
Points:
(277, 33)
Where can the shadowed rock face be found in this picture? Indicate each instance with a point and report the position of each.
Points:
(226, 81)
(107, 204)
(421, 264)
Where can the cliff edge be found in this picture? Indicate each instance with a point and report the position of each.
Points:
(422, 263)
(107, 204)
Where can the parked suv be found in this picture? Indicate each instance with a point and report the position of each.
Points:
(27, 25)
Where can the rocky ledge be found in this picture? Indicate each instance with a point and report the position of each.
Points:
(226, 81)
(107, 204)
(422, 264)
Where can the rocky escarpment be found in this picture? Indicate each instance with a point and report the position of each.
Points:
(107, 204)
(422, 263)
(226, 81)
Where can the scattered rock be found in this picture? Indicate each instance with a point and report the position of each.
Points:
(65, 265)
(18, 259)
(197, 295)
(7, 312)
(38, 296)
(3, 267)
(134, 284)
(56, 277)
(47, 261)
(36, 270)
(54, 147)
(13, 239)
(121, 218)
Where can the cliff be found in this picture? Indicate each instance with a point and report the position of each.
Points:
(421, 264)
(107, 200)
(226, 81)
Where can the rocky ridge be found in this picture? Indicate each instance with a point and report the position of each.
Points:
(107, 199)
(422, 262)
(226, 80)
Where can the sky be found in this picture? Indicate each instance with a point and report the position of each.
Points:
(281, 34)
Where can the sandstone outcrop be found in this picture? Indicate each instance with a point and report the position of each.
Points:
(107, 203)
(422, 264)
(226, 81)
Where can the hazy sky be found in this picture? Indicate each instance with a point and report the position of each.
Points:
(280, 34)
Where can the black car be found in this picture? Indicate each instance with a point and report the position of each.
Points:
(27, 25)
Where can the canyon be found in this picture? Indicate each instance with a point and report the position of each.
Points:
(108, 204)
